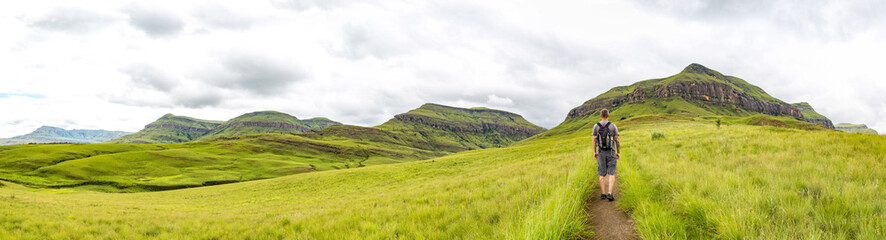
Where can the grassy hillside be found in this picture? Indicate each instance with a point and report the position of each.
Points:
(450, 129)
(266, 122)
(170, 129)
(108, 167)
(528, 191)
(694, 73)
(140, 167)
(752, 182)
(47, 134)
(855, 128)
(812, 116)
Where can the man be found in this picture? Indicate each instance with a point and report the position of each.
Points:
(605, 134)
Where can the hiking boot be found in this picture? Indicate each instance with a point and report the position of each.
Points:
(610, 197)
(602, 196)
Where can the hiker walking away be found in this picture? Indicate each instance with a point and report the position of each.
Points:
(607, 149)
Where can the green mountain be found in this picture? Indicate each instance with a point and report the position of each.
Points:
(170, 129)
(810, 115)
(176, 129)
(429, 131)
(696, 91)
(443, 129)
(266, 122)
(855, 128)
(47, 134)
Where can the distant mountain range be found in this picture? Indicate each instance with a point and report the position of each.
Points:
(47, 134)
(694, 92)
(855, 128)
(256, 146)
(174, 129)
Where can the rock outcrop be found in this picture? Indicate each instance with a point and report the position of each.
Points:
(711, 92)
(282, 125)
(810, 115)
(695, 82)
(518, 132)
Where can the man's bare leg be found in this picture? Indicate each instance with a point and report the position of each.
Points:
(602, 184)
(611, 182)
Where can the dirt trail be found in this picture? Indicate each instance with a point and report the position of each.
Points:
(606, 220)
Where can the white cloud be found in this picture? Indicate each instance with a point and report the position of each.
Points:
(120, 65)
(494, 100)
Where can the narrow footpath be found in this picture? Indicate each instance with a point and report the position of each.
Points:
(607, 220)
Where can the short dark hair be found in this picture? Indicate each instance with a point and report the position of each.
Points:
(604, 113)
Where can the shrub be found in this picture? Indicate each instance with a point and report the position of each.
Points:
(657, 135)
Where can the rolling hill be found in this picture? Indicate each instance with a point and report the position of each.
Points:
(429, 131)
(266, 122)
(176, 129)
(47, 134)
(170, 129)
(696, 91)
(855, 128)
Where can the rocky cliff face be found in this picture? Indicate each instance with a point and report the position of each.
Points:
(178, 126)
(705, 91)
(470, 127)
(812, 116)
(267, 125)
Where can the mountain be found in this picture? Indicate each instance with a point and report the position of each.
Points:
(443, 129)
(47, 134)
(855, 128)
(266, 122)
(174, 129)
(170, 129)
(696, 91)
(812, 116)
(429, 131)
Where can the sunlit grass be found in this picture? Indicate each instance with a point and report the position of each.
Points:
(530, 191)
(750, 182)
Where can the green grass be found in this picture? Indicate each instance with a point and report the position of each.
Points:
(752, 182)
(234, 155)
(755, 177)
(146, 167)
(807, 111)
(534, 190)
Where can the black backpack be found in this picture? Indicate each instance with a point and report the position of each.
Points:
(604, 137)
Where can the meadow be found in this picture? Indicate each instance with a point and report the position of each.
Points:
(528, 191)
(693, 180)
(737, 181)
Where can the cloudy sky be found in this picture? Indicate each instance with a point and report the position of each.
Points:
(119, 65)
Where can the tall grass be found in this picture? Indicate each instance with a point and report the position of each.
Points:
(751, 182)
(562, 215)
(533, 190)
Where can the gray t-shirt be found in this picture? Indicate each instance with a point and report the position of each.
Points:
(612, 129)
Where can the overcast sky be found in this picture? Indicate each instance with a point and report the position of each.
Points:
(120, 65)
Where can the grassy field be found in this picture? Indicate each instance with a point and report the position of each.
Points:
(751, 182)
(533, 190)
(147, 167)
(695, 181)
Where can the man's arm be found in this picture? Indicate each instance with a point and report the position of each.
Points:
(617, 148)
(594, 146)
